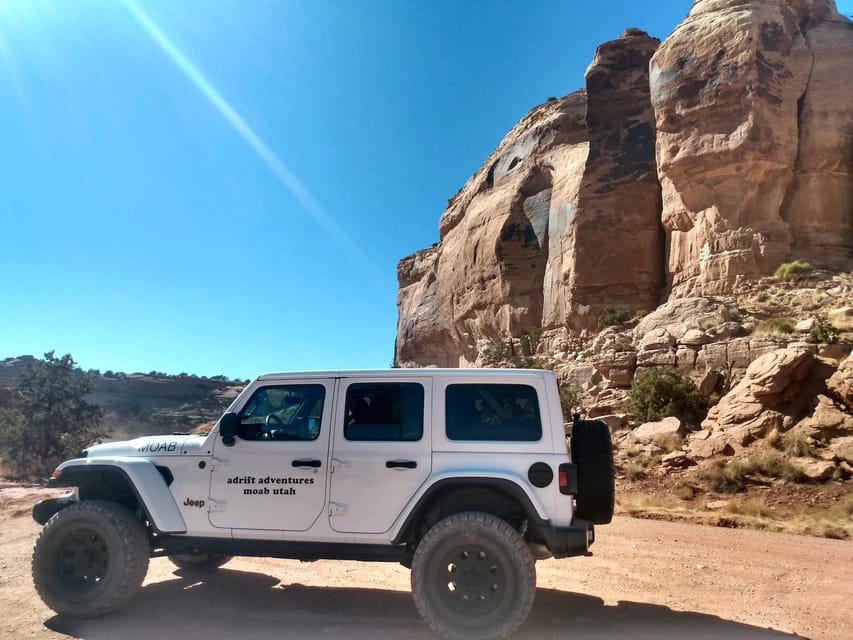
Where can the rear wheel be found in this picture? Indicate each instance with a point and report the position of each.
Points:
(473, 577)
(90, 558)
(199, 561)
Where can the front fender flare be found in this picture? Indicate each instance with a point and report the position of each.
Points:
(144, 480)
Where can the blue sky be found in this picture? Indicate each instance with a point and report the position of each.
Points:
(226, 186)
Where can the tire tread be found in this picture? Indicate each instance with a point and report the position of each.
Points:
(134, 543)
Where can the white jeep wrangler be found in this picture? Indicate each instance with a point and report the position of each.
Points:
(462, 475)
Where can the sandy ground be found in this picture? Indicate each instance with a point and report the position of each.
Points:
(646, 579)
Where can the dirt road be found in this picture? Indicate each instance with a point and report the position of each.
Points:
(645, 580)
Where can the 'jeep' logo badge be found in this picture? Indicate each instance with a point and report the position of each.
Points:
(189, 502)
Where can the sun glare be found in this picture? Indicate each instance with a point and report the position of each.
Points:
(285, 176)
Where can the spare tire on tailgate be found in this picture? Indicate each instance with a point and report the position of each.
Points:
(592, 453)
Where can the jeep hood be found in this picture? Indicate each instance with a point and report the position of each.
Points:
(168, 445)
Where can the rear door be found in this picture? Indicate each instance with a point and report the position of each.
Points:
(381, 450)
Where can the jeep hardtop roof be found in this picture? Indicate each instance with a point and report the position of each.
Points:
(352, 373)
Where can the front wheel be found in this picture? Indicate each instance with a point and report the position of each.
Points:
(90, 558)
(473, 577)
(199, 561)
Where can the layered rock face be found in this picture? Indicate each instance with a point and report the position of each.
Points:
(754, 140)
(682, 169)
(484, 278)
(617, 241)
(561, 220)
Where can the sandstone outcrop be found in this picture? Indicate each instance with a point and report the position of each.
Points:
(754, 139)
(521, 243)
(775, 393)
(682, 170)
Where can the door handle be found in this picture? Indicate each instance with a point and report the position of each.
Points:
(306, 463)
(401, 464)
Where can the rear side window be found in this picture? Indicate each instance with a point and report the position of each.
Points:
(387, 411)
(492, 412)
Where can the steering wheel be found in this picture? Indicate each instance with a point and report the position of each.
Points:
(273, 427)
(272, 417)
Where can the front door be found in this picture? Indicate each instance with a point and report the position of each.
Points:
(381, 452)
(274, 475)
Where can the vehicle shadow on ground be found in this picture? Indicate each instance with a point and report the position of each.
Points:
(236, 604)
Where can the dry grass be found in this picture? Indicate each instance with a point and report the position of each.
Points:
(733, 475)
(841, 319)
(669, 442)
(634, 471)
(723, 476)
(753, 513)
(774, 327)
(794, 443)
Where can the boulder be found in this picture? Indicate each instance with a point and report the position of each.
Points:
(776, 389)
(695, 338)
(775, 377)
(657, 338)
(843, 448)
(829, 420)
(804, 326)
(648, 431)
(816, 470)
(615, 422)
(709, 448)
(676, 460)
(840, 383)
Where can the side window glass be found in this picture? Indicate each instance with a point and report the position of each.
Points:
(492, 412)
(283, 412)
(384, 411)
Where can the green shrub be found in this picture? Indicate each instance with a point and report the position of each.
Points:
(613, 316)
(824, 332)
(570, 397)
(530, 341)
(48, 419)
(658, 393)
(774, 327)
(788, 270)
(496, 352)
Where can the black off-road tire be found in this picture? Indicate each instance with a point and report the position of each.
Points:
(90, 558)
(592, 452)
(199, 561)
(473, 577)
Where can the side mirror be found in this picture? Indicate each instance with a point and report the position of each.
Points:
(228, 424)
